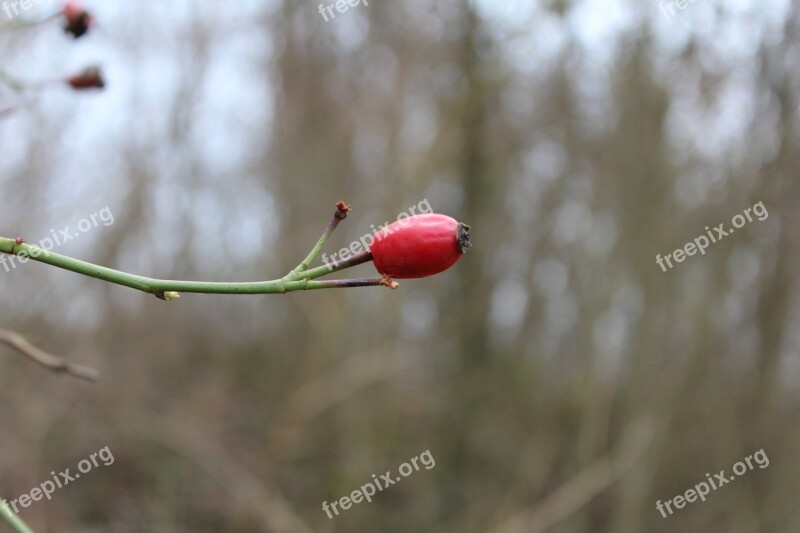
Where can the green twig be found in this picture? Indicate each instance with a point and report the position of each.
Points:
(299, 279)
(19, 23)
(13, 520)
(18, 85)
(341, 213)
(11, 81)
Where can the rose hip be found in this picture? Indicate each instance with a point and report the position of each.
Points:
(419, 246)
(78, 20)
(88, 78)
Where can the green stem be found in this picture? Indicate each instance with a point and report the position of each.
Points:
(13, 520)
(336, 266)
(19, 23)
(11, 81)
(299, 279)
(341, 213)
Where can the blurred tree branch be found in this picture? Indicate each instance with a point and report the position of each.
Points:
(250, 494)
(56, 364)
(590, 482)
(11, 81)
(5, 113)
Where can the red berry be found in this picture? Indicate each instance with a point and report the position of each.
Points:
(419, 246)
(78, 19)
(89, 78)
(72, 9)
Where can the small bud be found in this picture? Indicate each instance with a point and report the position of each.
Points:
(89, 78)
(168, 295)
(78, 20)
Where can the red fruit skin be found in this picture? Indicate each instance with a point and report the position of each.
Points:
(89, 78)
(72, 10)
(419, 246)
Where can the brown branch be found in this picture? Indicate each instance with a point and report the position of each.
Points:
(56, 364)
(586, 485)
(7, 112)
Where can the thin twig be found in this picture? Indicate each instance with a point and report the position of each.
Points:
(19, 85)
(11, 81)
(340, 214)
(12, 519)
(56, 364)
(335, 266)
(384, 281)
(7, 112)
(25, 23)
(299, 279)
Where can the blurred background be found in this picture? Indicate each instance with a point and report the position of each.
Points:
(560, 379)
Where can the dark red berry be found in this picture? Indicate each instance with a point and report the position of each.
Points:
(419, 246)
(89, 78)
(78, 20)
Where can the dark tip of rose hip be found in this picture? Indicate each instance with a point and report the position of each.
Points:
(463, 238)
(79, 26)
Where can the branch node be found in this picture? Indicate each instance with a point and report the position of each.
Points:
(389, 282)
